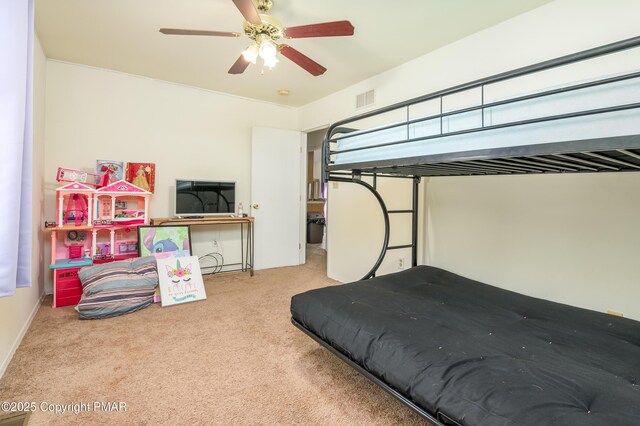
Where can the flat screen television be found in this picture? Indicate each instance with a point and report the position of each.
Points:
(204, 198)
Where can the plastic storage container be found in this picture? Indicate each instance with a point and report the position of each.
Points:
(315, 228)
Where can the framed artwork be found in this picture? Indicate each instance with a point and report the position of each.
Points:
(164, 241)
(142, 175)
(180, 280)
(114, 169)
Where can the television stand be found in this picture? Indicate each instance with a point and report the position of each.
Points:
(246, 253)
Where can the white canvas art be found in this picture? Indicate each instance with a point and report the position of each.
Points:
(180, 280)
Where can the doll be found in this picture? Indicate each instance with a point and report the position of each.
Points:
(141, 179)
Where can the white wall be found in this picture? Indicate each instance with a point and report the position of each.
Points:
(17, 311)
(314, 139)
(187, 132)
(558, 28)
(355, 228)
(569, 238)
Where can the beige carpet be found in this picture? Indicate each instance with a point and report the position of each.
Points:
(232, 359)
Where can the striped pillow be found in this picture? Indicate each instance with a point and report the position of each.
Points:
(117, 288)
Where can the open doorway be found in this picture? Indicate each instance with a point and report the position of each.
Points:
(316, 198)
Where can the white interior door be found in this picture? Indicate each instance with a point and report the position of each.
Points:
(276, 196)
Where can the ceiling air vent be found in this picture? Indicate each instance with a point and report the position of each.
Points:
(365, 99)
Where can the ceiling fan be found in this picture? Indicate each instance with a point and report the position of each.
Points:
(265, 31)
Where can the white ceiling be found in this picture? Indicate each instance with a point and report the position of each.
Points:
(123, 35)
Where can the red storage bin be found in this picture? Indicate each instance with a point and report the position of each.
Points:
(67, 288)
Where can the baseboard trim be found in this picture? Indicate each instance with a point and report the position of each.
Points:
(341, 280)
(20, 336)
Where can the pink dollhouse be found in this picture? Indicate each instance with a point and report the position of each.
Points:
(74, 204)
(121, 202)
(119, 208)
(93, 225)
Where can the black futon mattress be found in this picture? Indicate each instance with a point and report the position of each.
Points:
(479, 354)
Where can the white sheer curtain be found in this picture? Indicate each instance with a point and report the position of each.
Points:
(16, 77)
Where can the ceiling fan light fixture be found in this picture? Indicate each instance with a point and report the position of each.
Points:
(266, 31)
(251, 53)
(270, 62)
(268, 50)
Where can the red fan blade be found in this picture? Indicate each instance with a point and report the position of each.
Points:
(239, 66)
(248, 10)
(176, 31)
(326, 29)
(303, 61)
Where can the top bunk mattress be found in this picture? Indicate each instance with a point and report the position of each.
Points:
(590, 105)
(479, 354)
(481, 130)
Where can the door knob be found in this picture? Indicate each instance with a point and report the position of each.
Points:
(255, 206)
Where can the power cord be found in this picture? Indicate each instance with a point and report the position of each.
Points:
(213, 261)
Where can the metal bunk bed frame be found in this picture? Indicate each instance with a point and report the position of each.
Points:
(620, 153)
